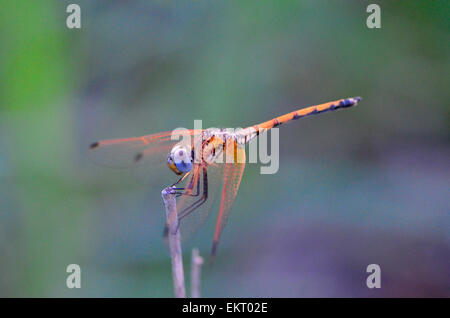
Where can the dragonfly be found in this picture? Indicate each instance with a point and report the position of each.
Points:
(209, 165)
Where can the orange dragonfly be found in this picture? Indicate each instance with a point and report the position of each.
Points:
(203, 173)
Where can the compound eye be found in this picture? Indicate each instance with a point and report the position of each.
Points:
(182, 160)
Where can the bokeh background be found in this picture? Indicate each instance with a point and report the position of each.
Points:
(356, 187)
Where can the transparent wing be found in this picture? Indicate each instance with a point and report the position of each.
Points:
(203, 187)
(145, 155)
(199, 195)
(232, 176)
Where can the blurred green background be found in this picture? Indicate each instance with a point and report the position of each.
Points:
(356, 187)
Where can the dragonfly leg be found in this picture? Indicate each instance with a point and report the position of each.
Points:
(179, 180)
(186, 211)
(166, 227)
(181, 190)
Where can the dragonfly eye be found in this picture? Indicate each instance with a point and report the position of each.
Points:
(179, 160)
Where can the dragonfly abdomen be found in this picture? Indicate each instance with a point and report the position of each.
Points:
(304, 112)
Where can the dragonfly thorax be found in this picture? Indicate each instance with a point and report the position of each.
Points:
(240, 135)
(215, 145)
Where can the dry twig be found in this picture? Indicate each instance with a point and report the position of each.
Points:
(173, 236)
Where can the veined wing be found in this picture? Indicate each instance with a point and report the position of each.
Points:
(126, 152)
(232, 176)
(199, 194)
(208, 181)
(143, 154)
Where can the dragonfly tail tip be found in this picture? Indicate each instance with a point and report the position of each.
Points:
(94, 145)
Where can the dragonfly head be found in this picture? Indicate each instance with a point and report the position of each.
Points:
(180, 159)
